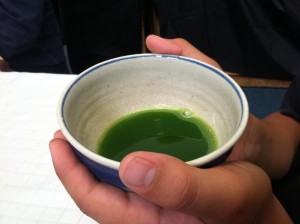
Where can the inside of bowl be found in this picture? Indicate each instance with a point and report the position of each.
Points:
(112, 90)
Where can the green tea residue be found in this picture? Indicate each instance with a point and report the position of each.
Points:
(175, 132)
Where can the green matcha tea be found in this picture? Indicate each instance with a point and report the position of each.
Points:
(175, 132)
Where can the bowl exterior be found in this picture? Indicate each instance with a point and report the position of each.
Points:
(101, 172)
(111, 176)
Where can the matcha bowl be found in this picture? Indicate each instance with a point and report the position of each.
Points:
(151, 102)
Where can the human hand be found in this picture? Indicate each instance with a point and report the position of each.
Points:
(168, 190)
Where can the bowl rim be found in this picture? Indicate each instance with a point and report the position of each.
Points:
(115, 164)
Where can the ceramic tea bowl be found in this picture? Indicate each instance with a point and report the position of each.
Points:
(111, 89)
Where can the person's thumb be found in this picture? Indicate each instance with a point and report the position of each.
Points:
(209, 194)
(167, 181)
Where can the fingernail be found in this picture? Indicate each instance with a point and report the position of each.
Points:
(140, 172)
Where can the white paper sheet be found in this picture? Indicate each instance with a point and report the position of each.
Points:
(30, 191)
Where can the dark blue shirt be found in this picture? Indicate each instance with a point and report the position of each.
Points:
(250, 37)
(30, 38)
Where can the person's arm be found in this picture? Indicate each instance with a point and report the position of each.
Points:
(20, 23)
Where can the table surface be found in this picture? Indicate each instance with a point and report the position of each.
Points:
(30, 191)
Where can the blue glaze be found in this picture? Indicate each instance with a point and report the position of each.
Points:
(101, 172)
(111, 176)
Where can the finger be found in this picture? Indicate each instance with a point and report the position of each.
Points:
(68, 168)
(177, 46)
(162, 179)
(206, 194)
(59, 134)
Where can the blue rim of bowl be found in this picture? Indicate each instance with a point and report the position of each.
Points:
(196, 162)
